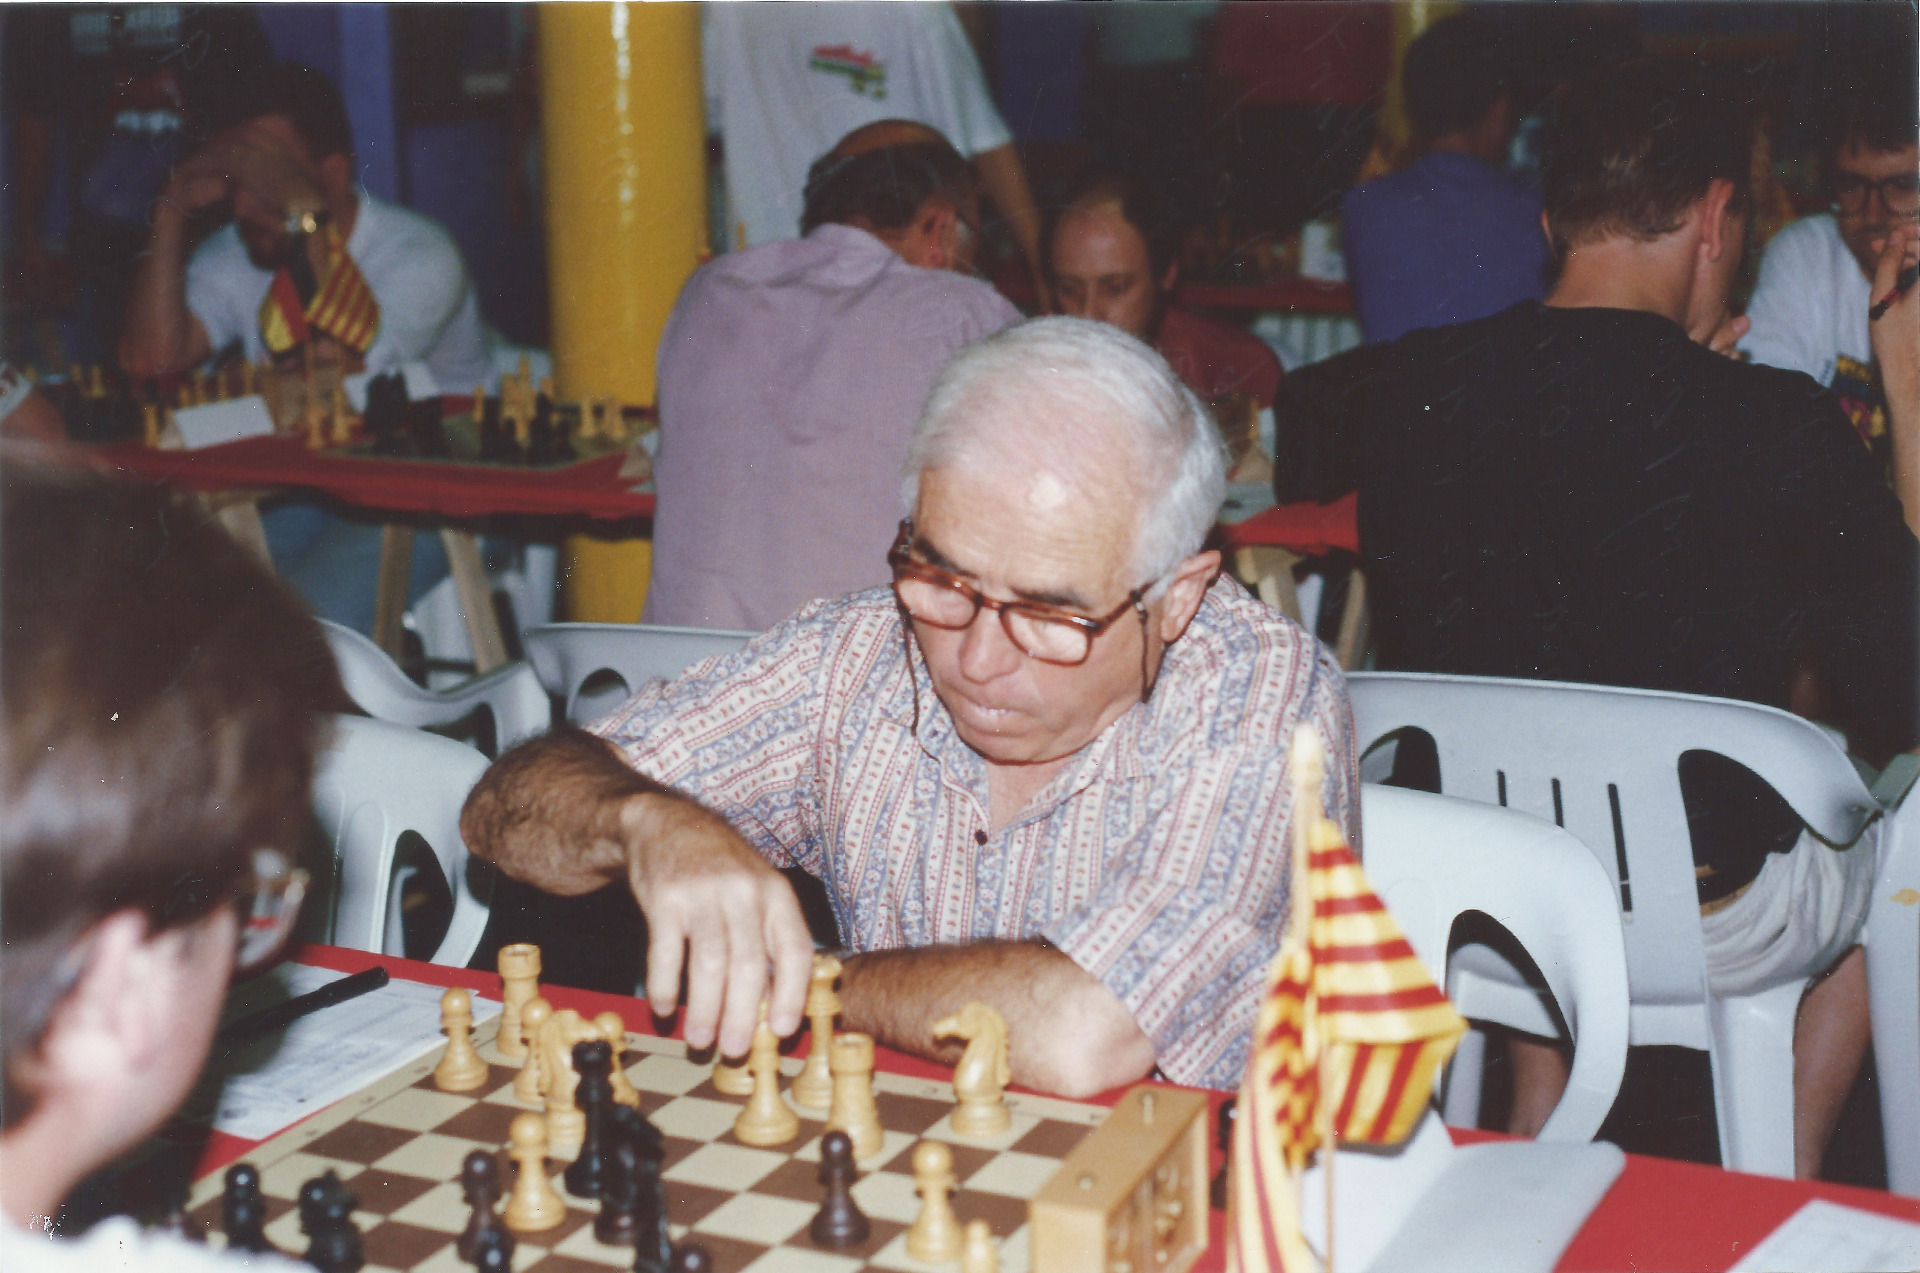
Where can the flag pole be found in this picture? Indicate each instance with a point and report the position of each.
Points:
(1309, 770)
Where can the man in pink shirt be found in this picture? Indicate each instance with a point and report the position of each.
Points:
(1047, 769)
(789, 378)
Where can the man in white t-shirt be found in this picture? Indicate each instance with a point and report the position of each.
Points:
(1809, 307)
(155, 666)
(287, 171)
(785, 82)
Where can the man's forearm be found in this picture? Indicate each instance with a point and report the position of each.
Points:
(549, 812)
(160, 330)
(1067, 1033)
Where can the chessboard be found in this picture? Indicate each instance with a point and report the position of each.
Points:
(398, 1146)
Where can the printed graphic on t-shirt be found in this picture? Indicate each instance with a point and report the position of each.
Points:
(865, 73)
(1857, 385)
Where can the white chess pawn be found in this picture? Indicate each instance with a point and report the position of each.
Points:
(934, 1235)
(534, 1204)
(461, 1069)
(530, 1084)
(766, 1120)
(980, 1255)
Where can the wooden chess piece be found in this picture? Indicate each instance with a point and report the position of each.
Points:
(731, 1077)
(199, 387)
(566, 1125)
(980, 1079)
(480, 1185)
(587, 1175)
(327, 1217)
(979, 1255)
(813, 1087)
(614, 1031)
(766, 1120)
(520, 979)
(690, 1258)
(934, 1235)
(839, 1223)
(340, 417)
(535, 1205)
(853, 1112)
(149, 424)
(243, 1210)
(530, 1084)
(461, 1069)
(248, 379)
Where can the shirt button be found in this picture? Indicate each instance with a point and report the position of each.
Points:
(979, 837)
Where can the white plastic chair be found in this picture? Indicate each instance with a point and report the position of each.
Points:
(566, 655)
(1603, 763)
(512, 694)
(440, 621)
(378, 781)
(1892, 941)
(1432, 859)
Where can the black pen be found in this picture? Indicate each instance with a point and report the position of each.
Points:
(259, 1023)
(1901, 286)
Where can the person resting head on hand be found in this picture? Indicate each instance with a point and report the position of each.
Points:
(160, 733)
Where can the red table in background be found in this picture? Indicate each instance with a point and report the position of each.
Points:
(251, 467)
(1665, 1216)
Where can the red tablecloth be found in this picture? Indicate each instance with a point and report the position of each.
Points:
(1660, 1216)
(1308, 529)
(591, 488)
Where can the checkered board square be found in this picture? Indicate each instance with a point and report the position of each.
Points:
(398, 1145)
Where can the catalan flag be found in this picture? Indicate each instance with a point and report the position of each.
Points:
(342, 306)
(1347, 1043)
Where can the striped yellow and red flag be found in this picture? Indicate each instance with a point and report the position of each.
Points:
(343, 305)
(1348, 1041)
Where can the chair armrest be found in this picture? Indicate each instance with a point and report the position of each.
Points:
(1891, 787)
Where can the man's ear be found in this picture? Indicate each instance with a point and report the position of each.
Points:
(336, 174)
(1712, 211)
(1171, 279)
(1188, 588)
(932, 235)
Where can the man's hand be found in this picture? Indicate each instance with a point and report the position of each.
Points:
(713, 902)
(199, 181)
(1728, 334)
(566, 814)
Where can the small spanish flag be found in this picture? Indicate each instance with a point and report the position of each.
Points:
(343, 306)
(1348, 1042)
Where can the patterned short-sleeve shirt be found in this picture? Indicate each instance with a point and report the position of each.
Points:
(1158, 861)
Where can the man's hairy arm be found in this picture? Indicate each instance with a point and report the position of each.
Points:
(566, 814)
(1067, 1033)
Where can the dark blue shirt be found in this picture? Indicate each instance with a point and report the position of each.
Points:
(1445, 240)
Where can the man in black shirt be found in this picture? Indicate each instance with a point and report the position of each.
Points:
(1584, 491)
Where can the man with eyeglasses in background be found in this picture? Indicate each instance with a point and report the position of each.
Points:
(160, 734)
(1046, 769)
(1815, 287)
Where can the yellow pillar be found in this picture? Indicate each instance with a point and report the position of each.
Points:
(1410, 19)
(624, 138)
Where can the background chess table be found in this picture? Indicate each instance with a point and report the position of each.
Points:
(398, 1145)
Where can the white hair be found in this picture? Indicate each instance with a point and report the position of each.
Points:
(1103, 386)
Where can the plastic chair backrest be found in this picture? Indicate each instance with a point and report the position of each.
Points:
(376, 782)
(1432, 859)
(1892, 938)
(513, 694)
(1603, 763)
(566, 655)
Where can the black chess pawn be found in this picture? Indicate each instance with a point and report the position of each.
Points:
(243, 1209)
(495, 1252)
(593, 1062)
(426, 426)
(335, 1245)
(839, 1223)
(386, 412)
(480, 1182)
(1217, 1191)
(618, 1223)
(311, 1198)
(690, 1258)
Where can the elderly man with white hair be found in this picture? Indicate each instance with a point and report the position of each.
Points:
(1046, 769)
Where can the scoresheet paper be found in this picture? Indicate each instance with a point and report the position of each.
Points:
(1824, 1237)
(277, 1080)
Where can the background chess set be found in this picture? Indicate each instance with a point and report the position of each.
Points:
(398, 1145)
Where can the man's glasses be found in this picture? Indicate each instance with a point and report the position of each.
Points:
(1899, 194)
(943, 600)
(266, 906)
